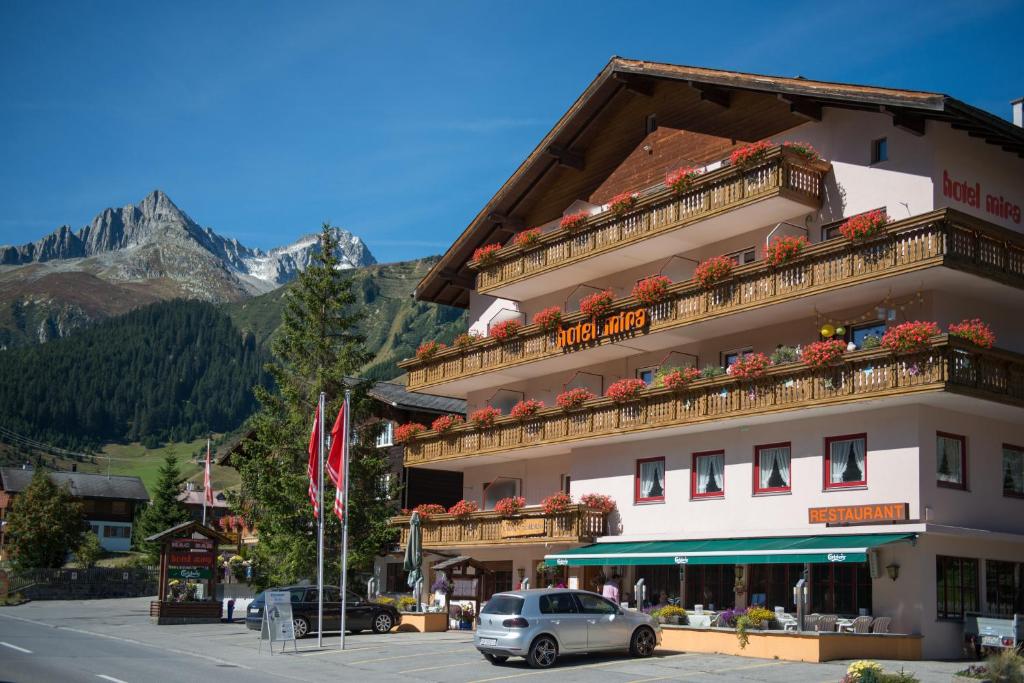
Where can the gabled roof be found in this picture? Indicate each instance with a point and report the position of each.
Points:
(742, 106)
(397, 395)
(197, 497)
(187, 529)
(81, 484)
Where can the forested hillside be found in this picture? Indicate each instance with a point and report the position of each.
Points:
(170, 371)
(394, 324)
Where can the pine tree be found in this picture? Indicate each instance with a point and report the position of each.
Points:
(165, 510)
(44, 525)
(316, 348)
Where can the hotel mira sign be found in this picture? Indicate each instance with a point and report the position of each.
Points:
(595, 329)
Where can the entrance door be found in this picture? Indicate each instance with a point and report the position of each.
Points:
(499, 579)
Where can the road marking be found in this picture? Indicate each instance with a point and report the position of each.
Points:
(15, 647)
(110, 678)
(576, 668)
(388, 659)
(431, 668)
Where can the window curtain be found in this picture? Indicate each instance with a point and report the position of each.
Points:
(949, 460)
(774, 471)
(703, 473)
(652, 479)
(847, 461)
(716, 480)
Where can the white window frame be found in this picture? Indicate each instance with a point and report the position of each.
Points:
(386, 437)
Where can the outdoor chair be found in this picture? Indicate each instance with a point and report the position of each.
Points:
(827, 623)
(858, 625)
(881, 625)
(811, 621)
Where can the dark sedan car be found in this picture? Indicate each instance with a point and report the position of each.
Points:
(360, 615)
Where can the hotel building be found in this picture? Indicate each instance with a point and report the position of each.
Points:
(892, 482)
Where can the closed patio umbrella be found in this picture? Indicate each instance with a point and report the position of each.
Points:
(414, 552)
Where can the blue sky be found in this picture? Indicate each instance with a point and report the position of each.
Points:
(395, 120)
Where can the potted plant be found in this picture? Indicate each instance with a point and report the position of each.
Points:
(713, 270)
(625, 390)
(676, 379)
(505, 330)
(803, 149)
(909, 337)
(750, 155)
(597, 304)
(598, 501)
(682, 179)
(427, 510)
(673, 614)
(751, 366)
(510, 507)
(484, 418)
(406, 603)
(556, 502)
(465, 340)
(527, 238)
(548, 319)
(464, 508)
(466, 617)
(656, 614)
(652, 289)
(785, 354)
(574, 221)
(429, 349)
(446, 423)
(865, 226)
(782, 250)
(408, 431)
(526, 409)
(822, 353)
(974, 331)
(486, 255)
(622, 203)
(573, 398)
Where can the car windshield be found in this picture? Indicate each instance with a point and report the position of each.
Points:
(503, 604)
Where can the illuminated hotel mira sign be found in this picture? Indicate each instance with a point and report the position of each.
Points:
(594, 330)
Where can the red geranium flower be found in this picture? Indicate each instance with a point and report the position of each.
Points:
(548, 319)
(509, 507)
(464, 508)
(597, 304)
(486, 255)
(804, 149)
(864, 226)
(484, 418)
(574, 398)
(526, 409)
(625, 390)
(974, 330)
(408, 431)
(505, 330)
(910, 336)
(679, 378)
(574, 220)
(652, 289)
(622, 203)
(713, 270)
(598, 501)
(821, 353)
(556, 502)
(751, 366)
(784, 249)
(429, 349)
(682, 179)
(748, 155)
(527, 238)
(446, 423)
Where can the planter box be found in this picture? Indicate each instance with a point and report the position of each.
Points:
(167, 613)
(424, 622)
(790, 646)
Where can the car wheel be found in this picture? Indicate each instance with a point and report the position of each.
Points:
(382, 623)
(642, 643)
(495, 659)
(301, 627)
(543, 653)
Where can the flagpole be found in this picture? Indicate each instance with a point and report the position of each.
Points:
(344, 521)
(206, 481)
(320, 529)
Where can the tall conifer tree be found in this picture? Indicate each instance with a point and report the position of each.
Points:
(316, 348)
(165, 510)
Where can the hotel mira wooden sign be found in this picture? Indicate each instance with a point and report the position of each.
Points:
(596, 329)
(849, 514)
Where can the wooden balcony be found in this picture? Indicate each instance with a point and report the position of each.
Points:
(578, 524)
(943, 238)
(727, 200)
(948, 365)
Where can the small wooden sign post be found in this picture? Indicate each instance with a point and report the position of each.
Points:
(188, 555)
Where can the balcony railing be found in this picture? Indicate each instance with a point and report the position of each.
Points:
(949, 364)
(782, 173)
(941, 238)
(577, 524)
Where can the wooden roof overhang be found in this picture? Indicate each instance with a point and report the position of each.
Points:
(604, 125)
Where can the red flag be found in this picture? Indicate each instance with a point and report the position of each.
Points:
(313, 466)
(206, 477)
(336, 461)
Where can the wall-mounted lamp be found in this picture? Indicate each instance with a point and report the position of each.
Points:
(893, 570)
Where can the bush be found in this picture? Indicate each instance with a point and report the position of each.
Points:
(89, 550)
(385, 600)
(669, 611)
(712, 371)
(406, 602)
(1006, 666)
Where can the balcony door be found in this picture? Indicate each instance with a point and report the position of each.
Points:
(502, 487)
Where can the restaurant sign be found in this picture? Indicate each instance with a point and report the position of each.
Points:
(849, 514)
(594, 330)
(531, 526)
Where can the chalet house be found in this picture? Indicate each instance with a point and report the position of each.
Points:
(109, 503)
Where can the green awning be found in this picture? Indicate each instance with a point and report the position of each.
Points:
(776, 550)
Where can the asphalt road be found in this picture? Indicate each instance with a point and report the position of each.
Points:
(113, 641)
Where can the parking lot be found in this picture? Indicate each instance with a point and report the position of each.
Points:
(113, 640)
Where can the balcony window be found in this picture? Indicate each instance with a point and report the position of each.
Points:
(846, 461)
(951, 460)
(647, 374)
(386, 436)
(771, 468)
(503, 487)
(743, 256)
(707, 475)
(858, 333)
(1013, 471)
(730, 357)
(879, 150)
(650, 480)
(957, 586)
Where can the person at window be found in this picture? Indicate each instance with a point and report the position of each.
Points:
(662, 600)
(610, 589)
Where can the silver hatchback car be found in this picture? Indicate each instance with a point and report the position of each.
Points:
(542, 624)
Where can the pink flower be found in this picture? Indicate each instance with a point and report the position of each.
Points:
(598, 501)
(428, 509)
(713, 270)
(548, 319)
(526, 409)
(509, 507)
(574, 220)
(804, 149)
(573, 398)
(864, 226)
(751, 366)
(821, 353)
(975, 331)
(652, 289)
(682, 179)
(464, 508)
(748, 155)
(446, 423)
(625, 390)
(408, 431)
(597, 304)
(429, 349)
(556, 502)
(484, 418)
(910, 336)
(486, 255)
(527, 238)
(679, 378)
(505, 330)
(784, 249)
(622, 203)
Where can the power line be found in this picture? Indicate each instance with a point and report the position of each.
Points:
(11, 437)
